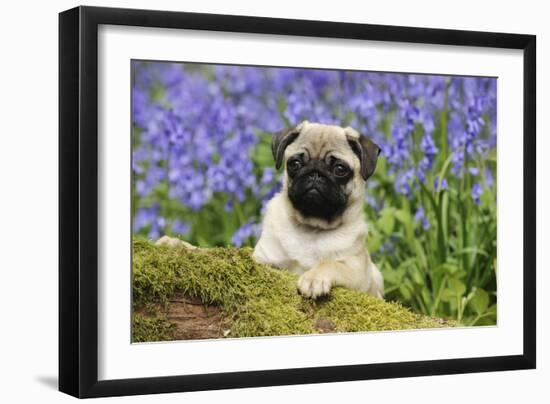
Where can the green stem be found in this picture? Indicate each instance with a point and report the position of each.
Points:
(441, 247)
(240, 215)
(444, 118)
(438, 297)
(479, 317)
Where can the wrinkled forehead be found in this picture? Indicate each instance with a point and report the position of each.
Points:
(320, 141)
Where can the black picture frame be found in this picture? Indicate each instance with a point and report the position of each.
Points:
(78, 200)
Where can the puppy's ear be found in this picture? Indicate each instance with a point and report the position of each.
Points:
(367, 151)
(280, 142)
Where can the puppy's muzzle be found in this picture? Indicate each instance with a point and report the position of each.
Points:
(314, 180)
(314, 176)
(315, 183)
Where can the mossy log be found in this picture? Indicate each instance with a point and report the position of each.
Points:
(180, 293)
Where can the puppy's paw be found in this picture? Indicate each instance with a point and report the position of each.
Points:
(314, 284)
(174, 242)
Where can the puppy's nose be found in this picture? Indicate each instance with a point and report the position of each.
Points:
(314, 176)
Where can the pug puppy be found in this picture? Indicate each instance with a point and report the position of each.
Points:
(315, 225)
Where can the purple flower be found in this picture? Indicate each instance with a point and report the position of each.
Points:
(267, 176)
(489, 178)
(150, 218)
(420, 217)
(144, 217)
(444, 184)
(473, 170)
(476, 193)
(403, 182)
(180, 227)
(243, 233)
(427, 145)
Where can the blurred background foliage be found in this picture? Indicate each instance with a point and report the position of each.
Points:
(203, 169)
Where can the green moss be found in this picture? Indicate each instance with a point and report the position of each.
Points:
(256, 299)
(353, 311)
(151, 328)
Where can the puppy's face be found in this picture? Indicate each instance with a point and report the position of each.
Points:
(326, 167)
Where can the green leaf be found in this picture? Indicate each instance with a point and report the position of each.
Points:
(406, 263)
(416, 276)
(421, 255)
(443, 172)
(447, 268)
(386, 221)
(492, 155)
(479, 301)
(492, 309)
(391, 277)
(375, 239)
(472, 250)
(405, 292)
(262, 155)
(444, 204)
(447, 295)
(457, 286)
(403, 216)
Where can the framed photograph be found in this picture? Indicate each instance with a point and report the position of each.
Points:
(251, 201)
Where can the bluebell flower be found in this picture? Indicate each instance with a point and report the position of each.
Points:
(427, 145)
(388, 247)
(444, 184)
(270, 194)
(180, 227)
(476, 193)
(403, 182)
(420, 217)
(371, 200)
(243, 233)
(489, 178)
(144, 217)
(267, 176)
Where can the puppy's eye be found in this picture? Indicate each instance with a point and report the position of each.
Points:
(340, 170)
(294, 165)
